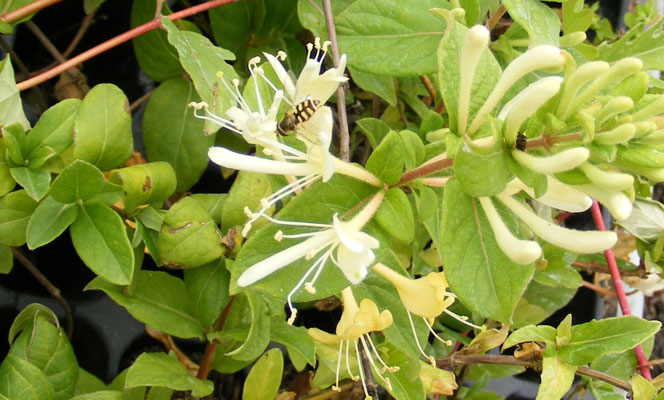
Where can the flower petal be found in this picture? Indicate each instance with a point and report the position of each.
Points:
(559, 162)
(230, 159)
(282, 74)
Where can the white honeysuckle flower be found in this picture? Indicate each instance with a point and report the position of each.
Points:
(617, 202)
(606, 180)
(558, 195)
(579, 77)
(354, 251)
(518, 250)
(583, 242)
(540, 57)
(311, 83)
(559, 162)
(257, 127)
(526, 103)
(474, 44)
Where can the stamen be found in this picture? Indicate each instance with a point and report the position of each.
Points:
(309, 287)
(463, 319)
(336, 387)
(246, 229)
(385, 366)
(278, 236)
(350, 373)
(326, 45)
(372, 362)
(417, 341)
(248, 212)
(446, 342)
(317, 43)
(310, 47)
(322, 261)
(361, 370)
(281, 55)
(254, 61)
(289, 298)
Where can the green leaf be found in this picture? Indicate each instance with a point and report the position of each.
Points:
(482, 175)
(80, 180)
(296, 340)
(610, 335)
(145, 184)
(264, 378)
(638, 42)
(539, 20)
(557, 378)
(387, 160)
(206, 65)
(7, 182)
(159, 369)
(413, 149)
(171, 133)
(100, 239)
(49, 220)
(188, 236)
(45, 345)
(15, 211)
(11, 107)
(576, 17)
(646, 221)
(35, 182)
(478, 272)
(103, 128)
(6, 259)
(207, 290)
(531, 333)
(14, 138)
(541, 300)
(315, 204)
(404, 387)
(22, 380)
(258, 336)
(486, 75)
(247, 191)
(156, 299)
(374, 129)
(55, 128)
(380, 85)
(213, 203)
(101, 395)
(87, 383)
(156, 57)
(395, 215)
(391, 37)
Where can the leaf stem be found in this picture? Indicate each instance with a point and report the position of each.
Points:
(52, 289)
(344, 135)
(495, 17)
(424, 170)
(204, 366)
(642, 363)
(26, 10)
(458, 360)
(109, 44)
(427, 84)
(592, 267)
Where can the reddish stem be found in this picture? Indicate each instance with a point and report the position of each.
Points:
(26, 10)
(109, 44)
(641, 361)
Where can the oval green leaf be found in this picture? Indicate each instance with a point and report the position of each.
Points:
(49, 220)
(264, 378)
(80, 180)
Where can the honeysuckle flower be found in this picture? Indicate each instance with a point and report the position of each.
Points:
(354, 326)
(559, 162)
(350, 249)
(617, 202)
(606, 180)
(426, 297)
(474, 44)
(558, 195)
(569, 239)
(310, 83)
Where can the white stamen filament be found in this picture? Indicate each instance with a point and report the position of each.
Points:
(417, 341)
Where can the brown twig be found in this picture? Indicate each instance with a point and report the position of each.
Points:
(495, 17)
(598, 289)
(457, 360)
(87, 21)
(15, 58)
(368, 375)
(427, 84)
(52, 289)
(137, 103)
(169, 345)
(109, 44)
(205, 365)
(344, 135)
(424, 170)
(592, 267)
(45, 41)
(26, 10)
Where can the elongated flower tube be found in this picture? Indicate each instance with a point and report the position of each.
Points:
(474, 44)
(518, 250)
(558, 195)
(526, 103)
(540, 57)
(354, 251)
(619, 134)
(577, 241)
(618, 203)
(355, 325)
(311, 83)
(559, 162)
(585, 73)
(606, 180)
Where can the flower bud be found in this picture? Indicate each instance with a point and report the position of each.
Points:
(619, 134)
(618, 204)
(559, 162)
(578, 78)
(614, 106)
(606, 180)
(474, 44)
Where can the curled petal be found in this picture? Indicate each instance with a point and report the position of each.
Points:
(281, 259)
(354, 265)
(577, 241)
(520, 251)
(559, 162)
(282, 74)
(323, 337)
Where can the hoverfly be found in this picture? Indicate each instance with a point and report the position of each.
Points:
(297, 115)
(520, 141)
